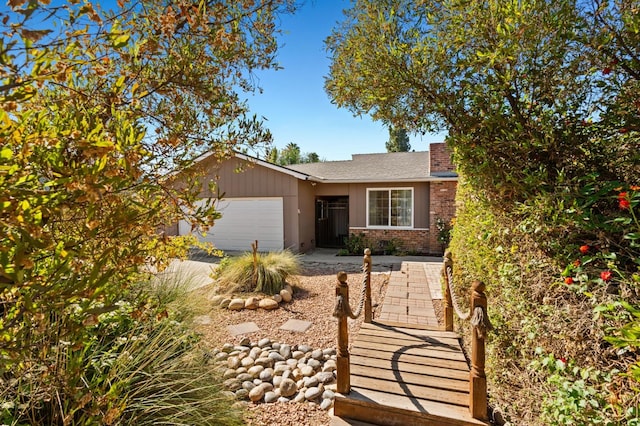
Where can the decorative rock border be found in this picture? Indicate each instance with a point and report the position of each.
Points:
(267, 371)
(254, 302)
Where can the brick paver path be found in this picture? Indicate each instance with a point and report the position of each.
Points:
(409, 296)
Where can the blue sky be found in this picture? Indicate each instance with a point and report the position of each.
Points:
(294, 102)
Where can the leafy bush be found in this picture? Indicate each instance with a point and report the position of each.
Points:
(134, 365)
(266, 272)
(356, 243)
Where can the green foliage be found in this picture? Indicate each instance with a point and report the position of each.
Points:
(97, 106)
(540, 103)
(576, 395)
(266, 273)
(134, 365)
(291, 154)
(398, 140)
(356, 243)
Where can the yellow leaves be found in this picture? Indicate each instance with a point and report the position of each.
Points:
(6, 153)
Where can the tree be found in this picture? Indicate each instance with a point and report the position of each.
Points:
(291, 154)
(544, 74)
(539, 99)
(398, 140)
(97, 107)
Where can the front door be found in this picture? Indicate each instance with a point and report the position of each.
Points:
(332, 221)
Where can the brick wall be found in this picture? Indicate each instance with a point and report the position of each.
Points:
(411, 240)
(442, 196)
(440, 158)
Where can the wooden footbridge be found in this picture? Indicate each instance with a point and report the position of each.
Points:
(403, 369)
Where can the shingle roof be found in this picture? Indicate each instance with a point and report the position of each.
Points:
(385, 167)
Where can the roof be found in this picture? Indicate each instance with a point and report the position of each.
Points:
(384, 167)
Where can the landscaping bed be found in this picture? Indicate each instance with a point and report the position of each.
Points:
(313, 301)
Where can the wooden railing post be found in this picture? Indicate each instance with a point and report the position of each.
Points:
(343, 368)
(447, 269)
(368, 314)
(477, 377)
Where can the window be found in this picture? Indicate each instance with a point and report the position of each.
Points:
(390, 207)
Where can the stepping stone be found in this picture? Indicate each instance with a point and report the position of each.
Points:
(202, 320)
(244, 328)
(298, 326)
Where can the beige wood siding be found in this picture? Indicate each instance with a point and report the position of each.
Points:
(357, 193)
(237, 178)
(307, 216)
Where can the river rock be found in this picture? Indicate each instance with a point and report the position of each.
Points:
(229, 373)
(288, 387)
(328, 394)
(277, 298)
(317, 355)
(263, 343)
(236, 304)
(264, 361)
(314, 363)
(247, 362)
(232, 384)
(256, 394)
(233, 362)
(277, 380)
(326, 404)
(312, 393)
(268, 304)
(306, 370)
(270, 397)
(304, 348)
(286, 296)
(255, 371)
(251, 303)
(285, 351)
(244, 377)
(266, 374)
(275, 356)
(325, 377)
(310, 382)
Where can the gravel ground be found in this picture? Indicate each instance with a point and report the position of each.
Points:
(313, 301)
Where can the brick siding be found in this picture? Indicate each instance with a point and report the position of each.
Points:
(443, 206)
(410, 240)
(440, 158)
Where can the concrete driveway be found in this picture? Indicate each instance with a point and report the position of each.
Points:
(196, 272)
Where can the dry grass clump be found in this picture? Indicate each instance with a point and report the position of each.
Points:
(257, 272)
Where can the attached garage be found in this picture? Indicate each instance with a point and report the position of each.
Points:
(243, 221)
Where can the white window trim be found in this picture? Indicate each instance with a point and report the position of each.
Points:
(410, 188)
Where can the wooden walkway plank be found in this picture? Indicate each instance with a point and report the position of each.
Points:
(402, 350)
(416, 360)
(384, 409)
(399, 340)
(419, 378)
(437, 371)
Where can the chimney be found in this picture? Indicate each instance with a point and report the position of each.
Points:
(440, 158)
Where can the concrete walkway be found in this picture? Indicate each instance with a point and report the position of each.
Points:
(410, 294)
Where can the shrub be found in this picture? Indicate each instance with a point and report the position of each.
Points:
(134, 365)
(266, 272)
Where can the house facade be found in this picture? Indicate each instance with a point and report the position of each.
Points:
(386, 197)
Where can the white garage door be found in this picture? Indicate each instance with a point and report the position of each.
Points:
(243, 221)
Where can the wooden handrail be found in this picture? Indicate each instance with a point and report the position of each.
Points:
(343, 373)
(366, 267)
(477, 377)
(448, 303)
(479, 326)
